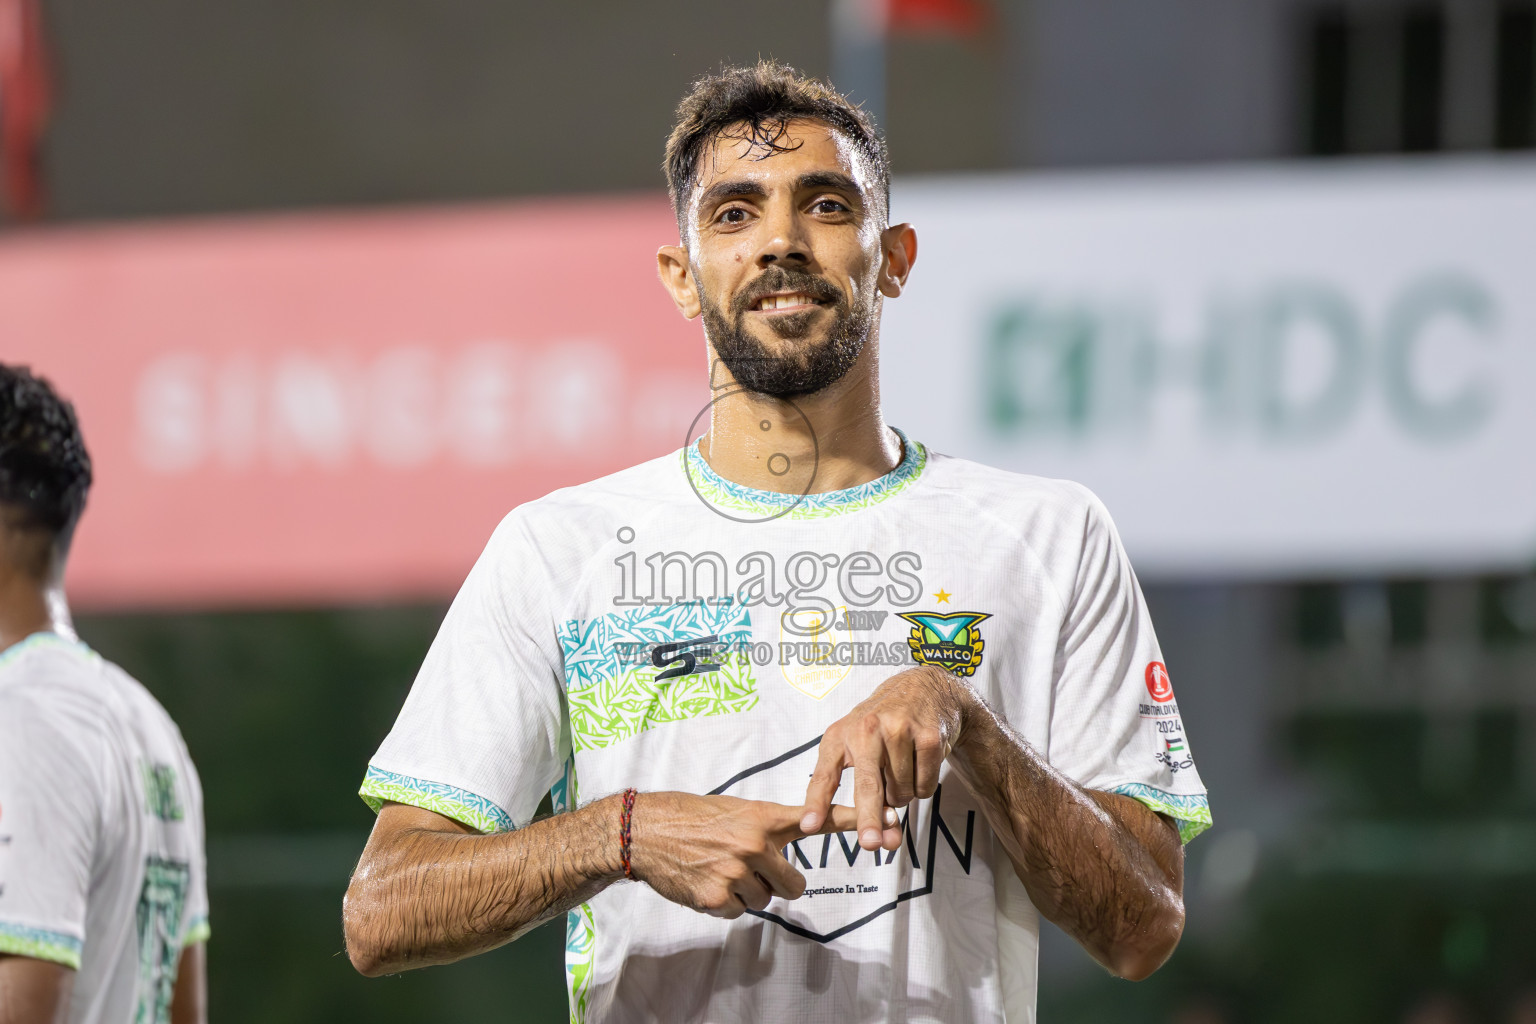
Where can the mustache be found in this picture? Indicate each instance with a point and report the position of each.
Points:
(781, 279)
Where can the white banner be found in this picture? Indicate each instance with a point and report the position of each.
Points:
(1326, 369)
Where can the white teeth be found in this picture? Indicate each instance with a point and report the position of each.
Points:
(784, 301)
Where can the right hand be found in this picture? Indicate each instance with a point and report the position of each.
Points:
(720, 855)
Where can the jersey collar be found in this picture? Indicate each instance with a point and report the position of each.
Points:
(757, 505)
(42, 638)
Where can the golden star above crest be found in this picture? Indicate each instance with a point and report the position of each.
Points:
(942, 596)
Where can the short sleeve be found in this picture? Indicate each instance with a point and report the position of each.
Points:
(1115, 725)
(197, 927)
(480, 738)
(49, 823)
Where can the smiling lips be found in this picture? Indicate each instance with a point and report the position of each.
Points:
(794, 300)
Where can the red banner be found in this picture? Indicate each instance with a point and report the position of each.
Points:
(25, 98)
(929, 17)
(340, 407)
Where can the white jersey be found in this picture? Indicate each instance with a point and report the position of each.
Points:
(101, 831)
(666, 629)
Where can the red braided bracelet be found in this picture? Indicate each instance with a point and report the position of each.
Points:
(627, 811)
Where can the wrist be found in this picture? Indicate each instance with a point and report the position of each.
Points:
(626, 824)
(642, 826)
(606, 823)
(966, 707)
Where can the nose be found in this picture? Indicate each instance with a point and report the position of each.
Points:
(784, 239)
(789, 254)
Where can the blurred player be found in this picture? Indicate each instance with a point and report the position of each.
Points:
(103, 906)
(702, 645)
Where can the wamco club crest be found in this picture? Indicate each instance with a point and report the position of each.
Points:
(950, 642)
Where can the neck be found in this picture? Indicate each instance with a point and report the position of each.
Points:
(829, 441)
(28, 606)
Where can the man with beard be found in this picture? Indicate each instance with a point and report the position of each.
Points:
(690, 654)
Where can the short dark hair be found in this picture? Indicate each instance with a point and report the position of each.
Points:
(45, 471)
(756, 104)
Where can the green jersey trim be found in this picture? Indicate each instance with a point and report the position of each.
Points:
(40, 944)
(461, 805)
(197, 931)
(1193, 813)
(45, 638)
(734, 497)
(580, 956)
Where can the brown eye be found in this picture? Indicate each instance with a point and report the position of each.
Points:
(829, 206)
(735, 215)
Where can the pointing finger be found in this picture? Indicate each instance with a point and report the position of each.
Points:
(824, 781)
(868, 788)
(786, 822)
(900, 768)
(842, 819)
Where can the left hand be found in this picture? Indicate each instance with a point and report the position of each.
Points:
(895, 741)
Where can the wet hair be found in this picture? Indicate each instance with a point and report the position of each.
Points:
(756, 104)
(45, 471)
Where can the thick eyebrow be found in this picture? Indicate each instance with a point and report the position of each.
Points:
(830, 179)
(723, 190)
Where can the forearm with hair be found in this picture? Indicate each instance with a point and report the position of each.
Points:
(422, 896)
(1104, 868)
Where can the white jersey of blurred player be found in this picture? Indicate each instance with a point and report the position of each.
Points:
(101, 831)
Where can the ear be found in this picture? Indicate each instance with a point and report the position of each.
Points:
(677, 279)
(898, 244)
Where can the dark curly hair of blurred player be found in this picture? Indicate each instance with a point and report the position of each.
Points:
(45, 471)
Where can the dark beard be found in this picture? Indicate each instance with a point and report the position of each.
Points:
(801, 371)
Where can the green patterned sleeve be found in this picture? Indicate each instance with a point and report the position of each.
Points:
(197, 931)
(1192, 813)
(40, 944)
(461, 805)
